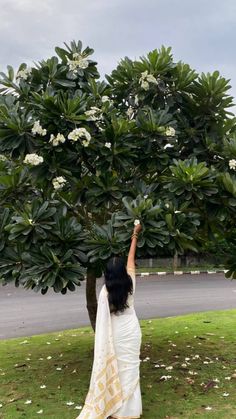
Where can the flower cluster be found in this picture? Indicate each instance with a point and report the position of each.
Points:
(106, 99)
(170, 132)
(232, 164)
(108, 145)
(57, 140)
(94, 114)
(37, 129)
(23, 74)
(78, 133)
(58, 182)
(33, 159)
(78, 62)
(145, 79)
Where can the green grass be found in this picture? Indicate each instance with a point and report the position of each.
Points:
(24, 367)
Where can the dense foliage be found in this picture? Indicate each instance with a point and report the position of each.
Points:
(81, 159)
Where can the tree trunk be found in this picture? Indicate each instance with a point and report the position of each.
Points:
(175, 261)
(91, 297)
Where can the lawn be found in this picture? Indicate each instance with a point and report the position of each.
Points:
(188, 370)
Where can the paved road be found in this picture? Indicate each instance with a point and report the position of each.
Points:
(24, 313)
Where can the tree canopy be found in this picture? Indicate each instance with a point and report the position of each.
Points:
(82, 158)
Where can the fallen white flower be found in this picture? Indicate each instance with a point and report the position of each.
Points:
(70, 403)
(28, 402)
(225, 394)
(43, 386)
(40, 411)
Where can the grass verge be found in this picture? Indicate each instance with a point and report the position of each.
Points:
(188, 370)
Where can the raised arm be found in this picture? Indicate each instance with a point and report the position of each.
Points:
(132, 250)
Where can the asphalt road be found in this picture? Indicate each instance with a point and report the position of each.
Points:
(25, 313)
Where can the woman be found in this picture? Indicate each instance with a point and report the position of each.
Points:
(114, 386)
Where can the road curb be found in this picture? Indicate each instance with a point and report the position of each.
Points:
(177, 273)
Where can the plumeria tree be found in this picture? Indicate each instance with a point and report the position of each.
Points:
(82, 158)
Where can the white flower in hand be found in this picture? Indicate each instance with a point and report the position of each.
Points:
(136, 222)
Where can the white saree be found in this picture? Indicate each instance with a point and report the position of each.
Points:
(114, 386)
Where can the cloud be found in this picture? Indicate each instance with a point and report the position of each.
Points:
(201, 32)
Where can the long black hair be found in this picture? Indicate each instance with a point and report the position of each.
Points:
(118, 283)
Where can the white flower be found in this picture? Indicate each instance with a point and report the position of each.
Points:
(78, 62)
(225, 394)
(208, 408)
(93, 114)
(108, 145)
(136, 101)
(78, 407)
(2, 157)
(49, 357)
(130, 112)
(106, 99)
(151, 79)
(232, 164)
(170, 132)
(136, 222)
(145, 79)
(165, 377)
(144, 85)
(70, 403)
(79, 133)
(37, 129)
(58, 182)
(85, 143)
(33, 159)
(57, 140)
(1, 405)
(169, 368)
(28, 402)
(23, 74)
(43, 386)
(40, 411)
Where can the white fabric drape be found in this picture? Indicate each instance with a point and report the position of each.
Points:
(114, 385)
(105, 395)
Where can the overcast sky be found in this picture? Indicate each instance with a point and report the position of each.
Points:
(201, 32)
